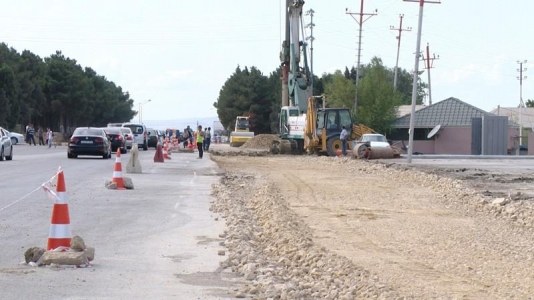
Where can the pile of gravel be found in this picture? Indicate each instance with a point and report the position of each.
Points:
(273, 249)
(260, 141)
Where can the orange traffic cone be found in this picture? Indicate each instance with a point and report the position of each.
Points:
(60, 234)
(166, 152)
(117, 173)
(158, 157)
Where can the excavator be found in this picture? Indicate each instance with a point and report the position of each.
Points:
(303, 127)
(241, 133)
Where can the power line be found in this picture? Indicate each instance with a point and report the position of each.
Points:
(360, 23)
(429, 65)
(400, 30)
(521, 103)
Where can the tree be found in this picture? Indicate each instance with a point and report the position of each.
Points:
(246, 93)
(529, 103)
(378, 102)
(339, 91)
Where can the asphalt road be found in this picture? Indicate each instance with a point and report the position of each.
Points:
(157, 241)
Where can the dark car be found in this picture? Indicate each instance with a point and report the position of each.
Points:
(117, 139)
(89, 141)
(153, 137)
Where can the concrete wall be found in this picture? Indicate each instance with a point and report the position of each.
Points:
(457, 141)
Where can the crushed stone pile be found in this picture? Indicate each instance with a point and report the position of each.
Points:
(273, 249)
(260, 141)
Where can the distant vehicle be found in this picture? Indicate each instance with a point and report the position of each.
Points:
(115, 124)
(153, 137)
(15, 137)
(6, 147)
(139, 134)
(116, 138)
(374, 140)
(128, 136)
(89, 141)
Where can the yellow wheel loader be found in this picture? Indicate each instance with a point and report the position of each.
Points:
(241, 133)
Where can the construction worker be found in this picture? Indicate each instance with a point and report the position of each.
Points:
(200, 141)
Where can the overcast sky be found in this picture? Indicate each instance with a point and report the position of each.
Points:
(180, 53)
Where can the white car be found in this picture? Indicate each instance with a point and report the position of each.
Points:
(15, 137)
(140, 135)
(375, 140)
(128, 135)
(6, 147)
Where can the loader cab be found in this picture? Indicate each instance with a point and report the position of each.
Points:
(286, 114)
(333, 119)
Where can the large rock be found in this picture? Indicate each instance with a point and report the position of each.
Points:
(128, 183)
(33, 254)
(77, 243)
(72, 258)
(134, 164)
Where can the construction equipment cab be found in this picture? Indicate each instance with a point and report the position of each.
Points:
(241, 133)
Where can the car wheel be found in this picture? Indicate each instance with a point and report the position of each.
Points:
(71, 155)
(123, 150)
(2, 154)
(10, 157)
(14, 140)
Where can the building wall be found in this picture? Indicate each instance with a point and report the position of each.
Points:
(456, 141)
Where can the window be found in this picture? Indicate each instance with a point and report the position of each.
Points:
(345, 118)
(88, 131)
(331, 120)
(294, 113)
(135, 128)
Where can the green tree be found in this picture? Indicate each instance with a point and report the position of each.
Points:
(339, 91)
(529, 103)
(246, 93)
(378, 102)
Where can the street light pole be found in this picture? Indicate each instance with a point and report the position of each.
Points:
(141, 109)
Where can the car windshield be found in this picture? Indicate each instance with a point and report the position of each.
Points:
(374, 138)
(135, 128)
(88, 131)
(113, 130)
(125, 130)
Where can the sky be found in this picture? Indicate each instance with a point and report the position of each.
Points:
(179, 54)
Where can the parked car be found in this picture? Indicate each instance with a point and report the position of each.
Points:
(128, 136)
(15, 137)
(114, 124)
(153, 137)
(6, 147)
(139, 134)
(89, 141)
(116, 138)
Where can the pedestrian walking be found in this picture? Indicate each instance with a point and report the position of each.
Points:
(49, 137)
(200, 142)
(40, 134)
(207, 139)
(343, 137)
(31, 133)
(185, 136)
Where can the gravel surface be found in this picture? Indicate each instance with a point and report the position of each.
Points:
(334, 228)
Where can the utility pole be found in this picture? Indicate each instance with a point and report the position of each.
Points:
(521, 103)
(360, 23)
(416, 74)
(285, 57)
(311, 39)
(400, 30)
(429, 66)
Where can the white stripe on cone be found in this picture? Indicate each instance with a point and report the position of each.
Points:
(117, 174)
(61, 198)
(60, 231)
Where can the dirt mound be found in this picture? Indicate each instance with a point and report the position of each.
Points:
(260, 141)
